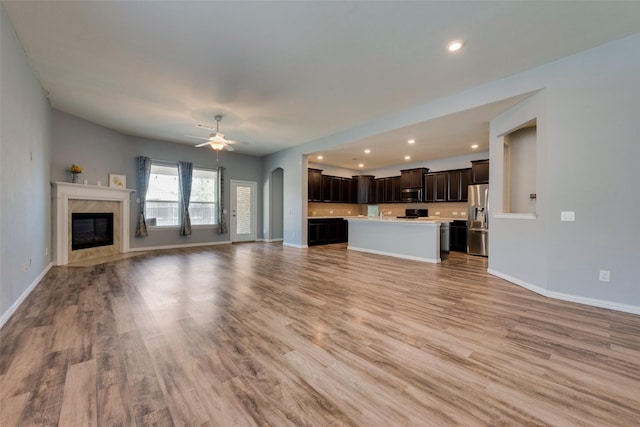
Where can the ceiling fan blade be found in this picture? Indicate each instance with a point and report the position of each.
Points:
(203, 144)
(229, 148)
(205, 127)
(197, 137)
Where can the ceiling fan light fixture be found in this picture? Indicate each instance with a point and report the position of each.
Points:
(455, 45)
(217, 145)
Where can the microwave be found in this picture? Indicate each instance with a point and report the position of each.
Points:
(410, 195)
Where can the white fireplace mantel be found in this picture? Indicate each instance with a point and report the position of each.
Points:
(64, 191)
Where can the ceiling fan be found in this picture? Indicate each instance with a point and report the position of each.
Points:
(216, 141)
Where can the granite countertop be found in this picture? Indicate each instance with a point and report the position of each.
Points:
(400, 220)
(386, 218)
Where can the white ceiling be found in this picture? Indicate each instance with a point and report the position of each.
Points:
(285, 73)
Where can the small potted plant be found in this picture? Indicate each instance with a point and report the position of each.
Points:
(75, 171)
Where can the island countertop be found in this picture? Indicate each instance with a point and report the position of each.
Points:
(422, 221)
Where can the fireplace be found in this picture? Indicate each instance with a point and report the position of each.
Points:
(90, 230)
(79, 198)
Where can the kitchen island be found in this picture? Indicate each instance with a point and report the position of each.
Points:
(415, 239)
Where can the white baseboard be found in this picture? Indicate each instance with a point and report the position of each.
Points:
(395, 255)
(7, 314)
(186, 245)
(626, 308)
(270, 240)
(293, 245)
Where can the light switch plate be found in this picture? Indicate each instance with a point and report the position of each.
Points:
(567, 216)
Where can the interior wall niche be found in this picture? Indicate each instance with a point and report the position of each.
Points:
(520, 165)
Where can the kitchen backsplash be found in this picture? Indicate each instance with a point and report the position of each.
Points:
(334, 209)
(443, 210)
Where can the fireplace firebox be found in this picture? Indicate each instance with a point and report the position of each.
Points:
(90, 230)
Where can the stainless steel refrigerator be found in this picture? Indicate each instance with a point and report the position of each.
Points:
(478, 220)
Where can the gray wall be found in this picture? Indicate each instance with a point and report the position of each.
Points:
(588, 149)
(277, 204)
(102, 151)
(25, 149)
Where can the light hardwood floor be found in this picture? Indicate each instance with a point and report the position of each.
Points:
(260, 334)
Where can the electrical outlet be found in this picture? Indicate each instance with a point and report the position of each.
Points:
(605, 276)
(330, 212)
(348, 212)
(567, 216)
(24, 267)
(46, 251)
(437, 213)
(455, 213)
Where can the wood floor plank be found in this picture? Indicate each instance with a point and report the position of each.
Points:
(263, 335)
(79, 403)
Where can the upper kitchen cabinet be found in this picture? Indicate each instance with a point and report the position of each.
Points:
(447, 186)
(377, 190)
(349, 193)
(435, 187)
(458, 185)
(363, 186)
(315, 185)
(386, 190)
(336, 189)
(392, 189)
(480, 171)
(413, 178)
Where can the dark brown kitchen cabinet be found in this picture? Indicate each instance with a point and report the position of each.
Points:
(314, 185)
(377, 190)
(447, 186)
(324, 231)
(348, 193)
(336, 189)
(392, 189)
(480, 171)
(413, 178)
(429, 186)
(331, 188)
(457, 185)
(458, 236)
(363, 187)
(386, 190)
(435, 187)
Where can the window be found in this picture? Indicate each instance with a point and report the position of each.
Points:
(204, 195)
(163, 206)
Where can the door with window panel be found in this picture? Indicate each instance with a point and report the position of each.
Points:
(243, 211)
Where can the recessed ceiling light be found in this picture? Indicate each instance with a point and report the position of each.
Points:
(367, 151)
(474, 146)
(361, 165)
(412, 141)
(455, 45)
(407, 157)
(320, 157)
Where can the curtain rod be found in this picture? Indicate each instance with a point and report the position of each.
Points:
(175, 162)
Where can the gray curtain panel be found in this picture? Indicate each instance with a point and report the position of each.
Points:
(143, 172)
(185, 177)
(222, 223)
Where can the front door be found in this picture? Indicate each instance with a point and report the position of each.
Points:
(243, 211)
